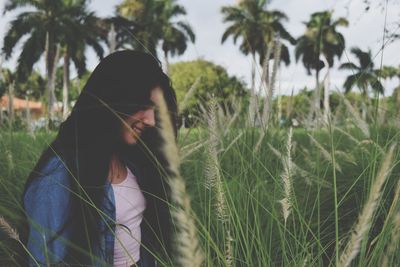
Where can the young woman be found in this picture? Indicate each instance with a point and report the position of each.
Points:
(97, 195)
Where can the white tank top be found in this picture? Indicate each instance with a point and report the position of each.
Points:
(129, 205)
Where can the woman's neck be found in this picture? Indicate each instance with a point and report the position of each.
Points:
(117, 170)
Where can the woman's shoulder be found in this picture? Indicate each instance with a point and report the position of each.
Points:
(54, 171)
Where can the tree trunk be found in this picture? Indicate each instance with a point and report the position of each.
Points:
(28, 114)
(112, 39)
(166, 63)
(51, 51)
(327, 110)
(279, 115)
(364, 111)
(252, 104)
(253, 73)
(313, 115)
(1, 106)
(397, 102)
(1, 113)
(66, 84)
(11, 104)
(269, 94)
(365, 104)
(317, 99)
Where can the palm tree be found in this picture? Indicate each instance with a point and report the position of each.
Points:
(120, 31)
(318, 47)
(145, 14)
(174, 34)
(7, 84)
(41, 24)
(257, 28)
(81, 28)
(47, 24)
(364, 76)
(154, 22)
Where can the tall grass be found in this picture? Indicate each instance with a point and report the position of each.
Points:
(245, 196)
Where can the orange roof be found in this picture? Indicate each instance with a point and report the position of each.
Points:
(19, 103)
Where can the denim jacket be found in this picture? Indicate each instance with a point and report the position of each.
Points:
(46, 203)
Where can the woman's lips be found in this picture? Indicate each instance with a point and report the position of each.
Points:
(137, 129)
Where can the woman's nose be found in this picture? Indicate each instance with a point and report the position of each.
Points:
(149, 117)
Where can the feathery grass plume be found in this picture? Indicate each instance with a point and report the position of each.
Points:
(187, 243)
(233, 141)
(394, 241)
(211, 169)
(188, 95)
(363, 142)
(325, 153)
(395, 224)
(286, 176)
(366, 216)
(13, 234)
(269, 91)
(237, 106)
(307, 158)
(359, 122)
(346, 156)
(228, 249)
(295, 168)
(10, 160)
(213, 178)
(6, 227)
(352, 138)
(187, 150)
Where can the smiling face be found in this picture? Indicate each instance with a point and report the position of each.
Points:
(136, 123)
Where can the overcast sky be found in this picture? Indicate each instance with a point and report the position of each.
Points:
(365, 31)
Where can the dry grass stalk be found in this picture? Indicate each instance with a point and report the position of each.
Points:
(188, 95)
(307, 158)
(286, 176)
(366, 216)
(359, 122)
(228, 249)
(237, 105)
(214, 181)
(277, 61)
(187, 150)
(394, 241)
(346, 156)
(352, 138)
(395, 222)
(269, 90)
(295, 167)
(211, 170)
(325, 153)
(259, 141)
(233, 141)
(10, 160)
(369, 141)
(213, 177)
(6, 227)
(188, 247)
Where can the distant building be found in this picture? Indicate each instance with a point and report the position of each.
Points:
(21, 105)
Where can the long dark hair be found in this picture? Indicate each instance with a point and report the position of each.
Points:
(87, 139)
